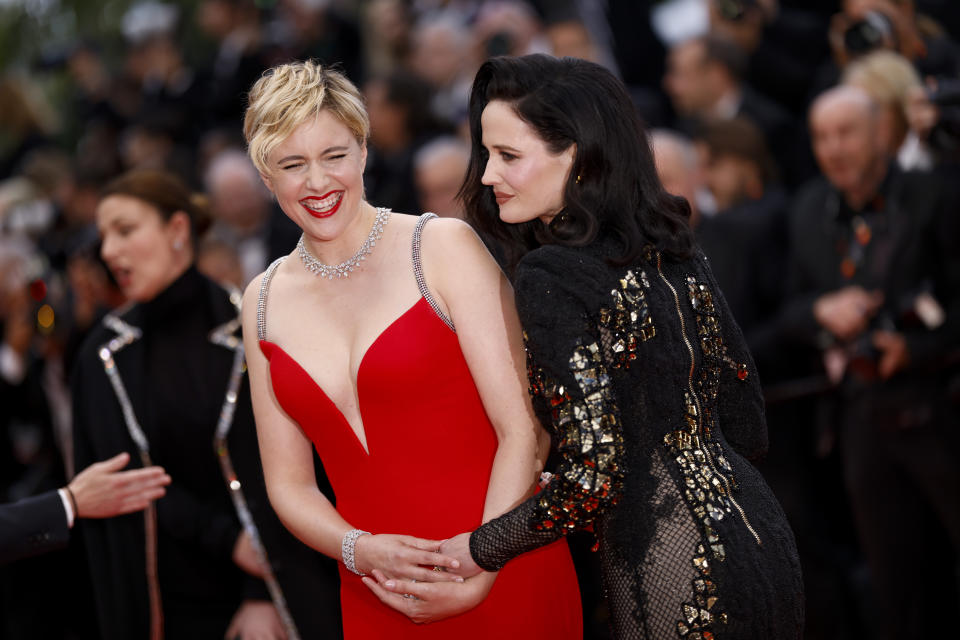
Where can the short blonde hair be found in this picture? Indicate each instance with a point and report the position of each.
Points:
(886, 76)
(288, 95)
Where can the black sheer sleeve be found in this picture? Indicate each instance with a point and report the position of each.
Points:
(572, 391)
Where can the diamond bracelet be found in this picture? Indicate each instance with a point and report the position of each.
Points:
(347, 546)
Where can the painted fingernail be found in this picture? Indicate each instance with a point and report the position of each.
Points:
(455, 564)
(390, 584)
(458, 579)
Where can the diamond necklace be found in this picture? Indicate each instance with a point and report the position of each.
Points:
(344, 269)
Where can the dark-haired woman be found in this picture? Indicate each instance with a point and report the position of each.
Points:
(635, 363)
(162, 379)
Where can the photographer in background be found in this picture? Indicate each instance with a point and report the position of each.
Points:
(784, 44)
(874, 293)
(933, 114)
(863, 26)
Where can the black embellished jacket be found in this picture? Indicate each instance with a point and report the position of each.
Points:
(654, 406)
(176, 379)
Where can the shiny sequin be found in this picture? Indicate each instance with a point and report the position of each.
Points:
(701, 460)
(699, 615)
(589, 438)
(627, 322)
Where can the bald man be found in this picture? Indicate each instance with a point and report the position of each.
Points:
(874, 302)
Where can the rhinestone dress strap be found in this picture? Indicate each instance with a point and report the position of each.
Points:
(418, 271)
(262, 300)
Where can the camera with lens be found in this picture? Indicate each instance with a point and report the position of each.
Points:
(734, 9)
(917, 309)
(874, 31)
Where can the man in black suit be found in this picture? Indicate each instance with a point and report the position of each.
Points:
(745, 239)
(705, 82)
(42, 523)
(874, 295)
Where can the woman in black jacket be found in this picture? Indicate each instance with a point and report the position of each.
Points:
(163, 379)
(635, 364)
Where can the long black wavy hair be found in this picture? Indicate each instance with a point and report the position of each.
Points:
(612, 187)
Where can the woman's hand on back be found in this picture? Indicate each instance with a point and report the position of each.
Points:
(458, 547)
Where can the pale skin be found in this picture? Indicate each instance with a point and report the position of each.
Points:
(103, 490)
(322, 162)
(527, 180)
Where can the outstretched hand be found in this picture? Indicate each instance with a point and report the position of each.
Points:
(425, 602)
(102, 490)
(458, 547)
(405, 558)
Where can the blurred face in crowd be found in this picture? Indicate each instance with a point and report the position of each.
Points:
(687, 79)
(527, 178)
(144, 252)
(237, 198)
(438, 53)
(571, 38)
(220, 263)
(678, 170)
(438, 182)
(845, 141)
(388, 122)
(731, 179)
(891, 124)
(317, 176)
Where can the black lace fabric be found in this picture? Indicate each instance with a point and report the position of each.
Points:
(638, 371)
(503, 539)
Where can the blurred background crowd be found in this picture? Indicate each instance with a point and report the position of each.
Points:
(788, 205)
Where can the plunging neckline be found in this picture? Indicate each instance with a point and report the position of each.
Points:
(356, 382)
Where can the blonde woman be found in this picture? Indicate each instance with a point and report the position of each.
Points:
(392, 346)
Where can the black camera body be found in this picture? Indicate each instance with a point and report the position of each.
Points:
(875, 31)
(902, 315)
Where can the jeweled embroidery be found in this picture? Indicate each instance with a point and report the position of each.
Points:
(708, 327)
(714, 357)
(627, 321)
(699, 615)
(708, 477)
(589, 437)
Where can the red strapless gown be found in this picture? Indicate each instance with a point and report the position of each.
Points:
(431, 450)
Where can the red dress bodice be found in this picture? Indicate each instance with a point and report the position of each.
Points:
(431, 448)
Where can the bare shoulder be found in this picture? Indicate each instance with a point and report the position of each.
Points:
(452, 239)
(457, 263)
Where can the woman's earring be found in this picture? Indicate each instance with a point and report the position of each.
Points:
(578, 178)
(177, 245)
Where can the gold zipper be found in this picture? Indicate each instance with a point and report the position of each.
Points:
(696, 399)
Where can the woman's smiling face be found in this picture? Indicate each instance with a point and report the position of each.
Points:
(316, 175)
